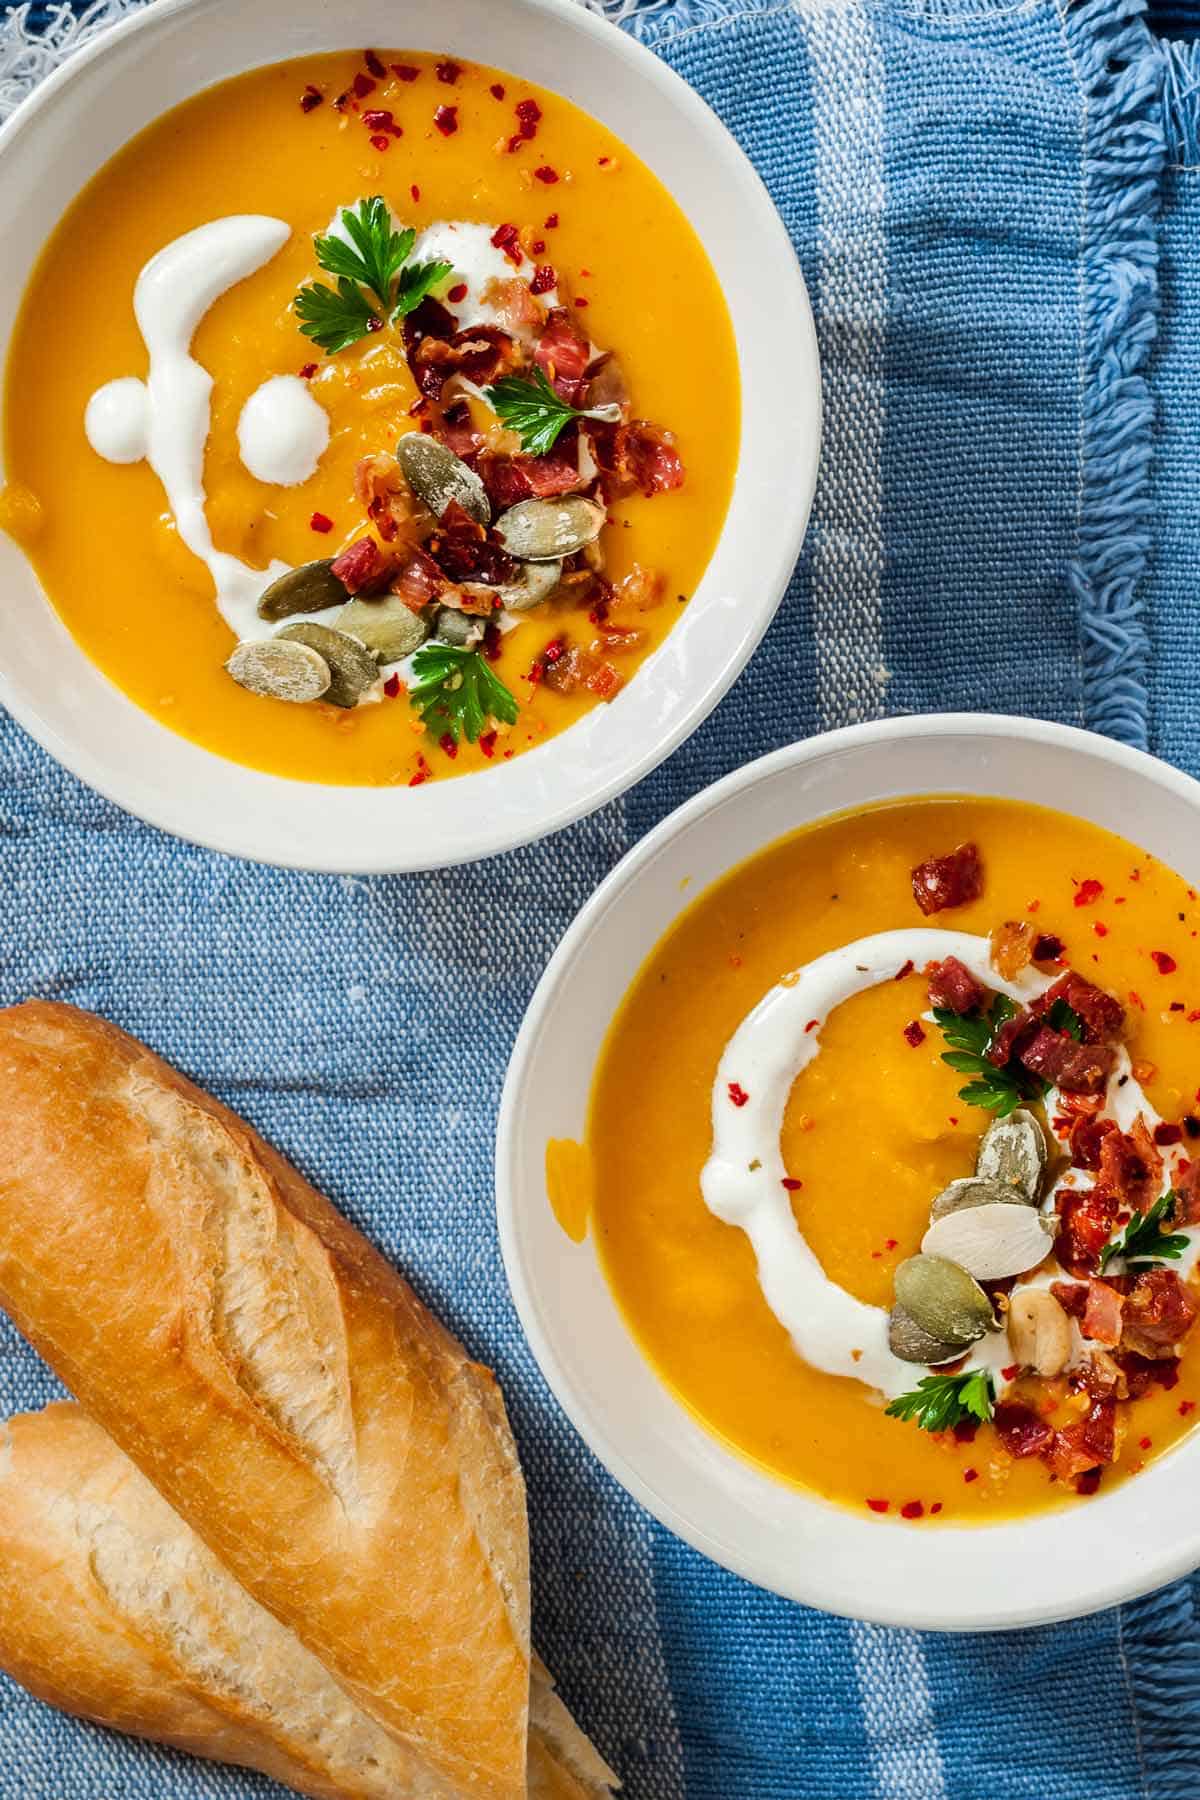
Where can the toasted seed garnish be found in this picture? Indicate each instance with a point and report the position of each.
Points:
(437, 477)
(386, 627)
(1013, 1151)
(544, 530)
(352, 668)
(454, 627)
(943, 1299)
(310, 588)
(1039, 1331)
(911, 1343)
(972, 1191)
(280, 671)
(990, 1242)
(537, 581)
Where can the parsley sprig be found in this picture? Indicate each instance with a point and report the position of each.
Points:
(528, 405)
(941, 1401)
(970, 1036)
(455, 691)
(375, 280)
(1143, 1242)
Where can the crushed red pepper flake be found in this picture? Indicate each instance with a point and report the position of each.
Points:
(362, 85)
(912, 1509)
(308, 371)
(415, 191)
(737, 1093)
(1185, 1407)
(791, 1183)
(1011, 1372)
(1100, 929)
(936, 1507)
(446, 120)
(1144, 1443)
(405, 71)
(1088, 890)
(546, 174)
(907, 969)
(507, 238)
(423, 774)
(321, 522)
(812, 1025)
(374, 64)
(380, 142)
(970, 1475)
(550, 223)
(1049, 947)
(497, 90)
(449, 745)
(448, 71)
(487, 743)
(879, 1506)
(581, 302)
(457, 292)
(914, 1033)
(311, 98)
(393, 687)
(1163, 962)
(544, 279)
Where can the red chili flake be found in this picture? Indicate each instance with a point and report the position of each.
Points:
(529, 115)
(1144, 1443)
(340, 102)
(1166, 965)
(1167, 1134)
(449, 745)
(423, 772)
(1185, 1407)
(1088, 1482)
(537, 246)
(876, 1254)
(1048, 947)
(581, 302)
(936, 1507)
(965, 1431)
(491, 641)
(308, 371)
(906, 970)
(379, 142)
(1011, 1372)
(737, 1093)
(791, 1184)
(415, 191)
(1135, 999)
(405, 71)
(546, 174)
(446, 120)
(879, 1505)
(912, 1509)
(310, 98)
(378, 118)
(1099, 929)
(516, 143)
(970, 1474)
(1177, 1006)
(550, 223)
(914, 1033)
(544, 279)
(448, 72)
(363, 85)
(457, 292)
(603, 161)
(1087, 891)
(374, 64)
(891, 1243)
(1191, 1126)
(507, 238)
(321, 522)
(497, 90)
(812, 1025)
(487, 743)
(391, 687)
(554, 649)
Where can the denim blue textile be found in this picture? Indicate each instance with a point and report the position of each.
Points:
(985, 196)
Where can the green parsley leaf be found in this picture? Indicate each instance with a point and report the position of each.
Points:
(1143, 1241)
(375, 253)
(998, 1091)
(334, 320)
(417, 281)
(455, 691)
(529, 406)
(941, 1401)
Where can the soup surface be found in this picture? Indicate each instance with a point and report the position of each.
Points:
(539, 224)
(876, 1125)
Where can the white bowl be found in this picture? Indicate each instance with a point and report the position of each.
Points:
(1023, 1572)
(83, 114)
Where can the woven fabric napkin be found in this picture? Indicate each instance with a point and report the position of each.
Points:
(996, 206)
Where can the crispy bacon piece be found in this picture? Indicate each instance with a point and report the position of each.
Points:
(1087, 1224)
(419, 581)
(430, 319)
(483, 354)
(390, 503)
(1143, 1372)
(1102, 1314)
(1075, 1068)
(1187, 1187)
(633, 457)
(1020, 1429)
(463, 551)
(1091, 1443)
(1159, 1313)
(1103, 1375)
(509, 479)
(563, 355)
(1087, 1139)
(1130, 1167)
(457, 430)
(1072, 1296)
(1012, 947)
(606, 384)
(1007, 1041)
(945, 881)
(573, 668)
(952, 985)
(362, 567)
(517, 309)
(640, 591)
(1101, 1015)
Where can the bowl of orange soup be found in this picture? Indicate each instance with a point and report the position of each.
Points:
(848, 1172)
(399, 457)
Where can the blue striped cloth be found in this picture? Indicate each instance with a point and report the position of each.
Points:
(997, 204)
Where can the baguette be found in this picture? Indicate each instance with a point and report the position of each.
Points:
(112, 1608)
(278, 1383)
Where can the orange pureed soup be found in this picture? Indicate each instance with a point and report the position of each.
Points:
(876, 1127)
(591, 287)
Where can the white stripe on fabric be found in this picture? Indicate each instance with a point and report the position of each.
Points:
(851, 308)
(898, 1713)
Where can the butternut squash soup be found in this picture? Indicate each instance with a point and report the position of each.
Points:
(402, 427)
(893, 1159)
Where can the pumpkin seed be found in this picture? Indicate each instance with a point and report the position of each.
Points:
(386, 627)
(972, 1191)
(537, 582)
(310, 588)
(352, 668)
(437, 477)
(454, 627)
(1039, 1331)
(1013, 1152)
(943, 1300)
(280, 671)
(544, 530)
(912, 1343)
(990, 1241)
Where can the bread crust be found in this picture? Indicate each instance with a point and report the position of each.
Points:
(277, 1382)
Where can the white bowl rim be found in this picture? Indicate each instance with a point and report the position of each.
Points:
(1114, 1586)
(485, 823)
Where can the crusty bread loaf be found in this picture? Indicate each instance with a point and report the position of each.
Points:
(277, 1382)
(112, 1608)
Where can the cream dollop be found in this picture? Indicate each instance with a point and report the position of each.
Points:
(117, 420)
(283, 432)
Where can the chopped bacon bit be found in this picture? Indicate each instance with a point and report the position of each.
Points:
(321, 522)
(1020, 1430)
(1008, 1040)
(497, 90)
(392, 687)
(1102, 1314)
(507, 238)
(1101, 1014)
(1167, 1134)
(1088, 1218)
(405, 71)
(1075, 1068)
(791, 1184)
(308, 371)
(879, 1506)
(1088, 1482)
(1130, 1167)
(562, 354)
(945, 881)
(546, 174)
(952, 985)
(310, 98)
(1087, 891)
(362, 568)
(1012, 947)
(636, 456)
(448, 72)
(1159, 1312)
(970, 1474)
(1166, 965)
(737, 1093)
(1072, 1296)
(1087, 1136)
(446, 120)
(457, 292)
(544, 278)
(912, 1509)
(418, 581)
(550, 222)
(914, 1033)
(1048, 948)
